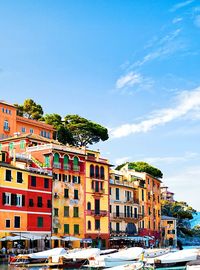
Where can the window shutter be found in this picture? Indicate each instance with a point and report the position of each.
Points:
(13, 200)
(79, 179)
(4, 198)
(23, 200)
(69, 178)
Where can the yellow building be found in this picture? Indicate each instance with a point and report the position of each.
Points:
(97, 199)
(169, 231)
(124, 205)
(149, 200)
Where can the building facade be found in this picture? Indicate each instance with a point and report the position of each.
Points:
(169, 231)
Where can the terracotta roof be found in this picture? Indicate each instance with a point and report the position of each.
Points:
(34, 122)
(33, 137)
(6, 103)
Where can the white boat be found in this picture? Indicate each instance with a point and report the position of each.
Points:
(178, 258)
(124, 256)
(133, 266)
(155, 252)
(38, 257)
(74, 259)
(193, 265)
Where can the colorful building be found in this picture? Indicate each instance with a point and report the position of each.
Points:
(124, 205)
(25, 197)
(166, 195)
(97, 199)
(169, 231)
(149, 200)
(11, 123)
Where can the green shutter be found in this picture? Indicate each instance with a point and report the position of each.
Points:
(75, 161)
(66, 228)
(47, 161)
(40, 222)
(11, 146)
(56, 158)
(22, 144)
(66, 211)
(0, 146)
(66, 160)
(76, 214)
(76, 229)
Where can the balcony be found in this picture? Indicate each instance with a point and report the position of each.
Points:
(97, 213)
(76, 168)
(66, 167)
(123, 216)
(132, 200)
(56, 165)
(99, 191)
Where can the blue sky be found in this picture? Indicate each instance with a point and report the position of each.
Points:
(130, 65)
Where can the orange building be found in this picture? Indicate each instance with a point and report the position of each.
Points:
(11, 123)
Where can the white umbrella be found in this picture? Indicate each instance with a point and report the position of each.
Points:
(71, 238)
(54, 238)
(13, 238)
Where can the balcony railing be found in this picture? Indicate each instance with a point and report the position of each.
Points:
(98, 213)
(100, 191)
(66, 167)
(125, 216)
(132, 200)
(76, 168)
(6, 128)
(57, 165)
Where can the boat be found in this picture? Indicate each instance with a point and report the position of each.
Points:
(74, 259)
(193, 265)
(123, 257)
(36, 258)
(155, 252)
(178, 258)
(132, 266)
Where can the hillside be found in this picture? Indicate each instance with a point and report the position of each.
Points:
(196, 220)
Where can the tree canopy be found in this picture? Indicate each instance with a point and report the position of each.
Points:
(30, 109)
(141, 166)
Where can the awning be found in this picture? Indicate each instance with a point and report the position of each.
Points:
(71, 238)
(13, 238)
(86, 240)
(54, 238)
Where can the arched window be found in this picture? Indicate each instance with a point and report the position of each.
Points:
(97, 171)
(102, 176)
(56, 162)
(89, 225)
(89, 206)
(66, 162)
(91, 170)
(75, 164)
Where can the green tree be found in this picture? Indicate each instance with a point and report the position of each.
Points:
(30, 109)
(84, 131)
(141, 166)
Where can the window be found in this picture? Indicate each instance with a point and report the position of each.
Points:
(66, 211)
(40, 222)
(102, 176)
(55, 230)
(171, 231)
(117, 227)
(117, 193)
(6, 126)
(6, 198)
(76, 229)
(89, 206)
(76, 194)
(47, 161)
(7, 223)
(39, 201)
(46, 182)
(110, 208)
(22, 144)
(66, 228)
(55, 212)
(142, 194)
(149, 209)
(66, 163)
(33, 181)
(89, 225)
(17, 222)
(97, 224)
(170, 222)
(23, 129)
(143, 210)
(19, 200)
(149, 224)
(66, 193)
(97, 171)
(49, 205)
(91, 170)
(8, 175)
(31, 204)
(31, 130)
(19, 177)
(135, 213)
(66, 178)
(76, 212)
(76, 179)
(0, 146)
(75, 164)
(56, 158)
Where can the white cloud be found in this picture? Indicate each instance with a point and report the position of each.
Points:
(172, 159)
(166, 46)
(187, 102)
(122, 160)
(181, 5)
(129, 79)
(177, 20)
